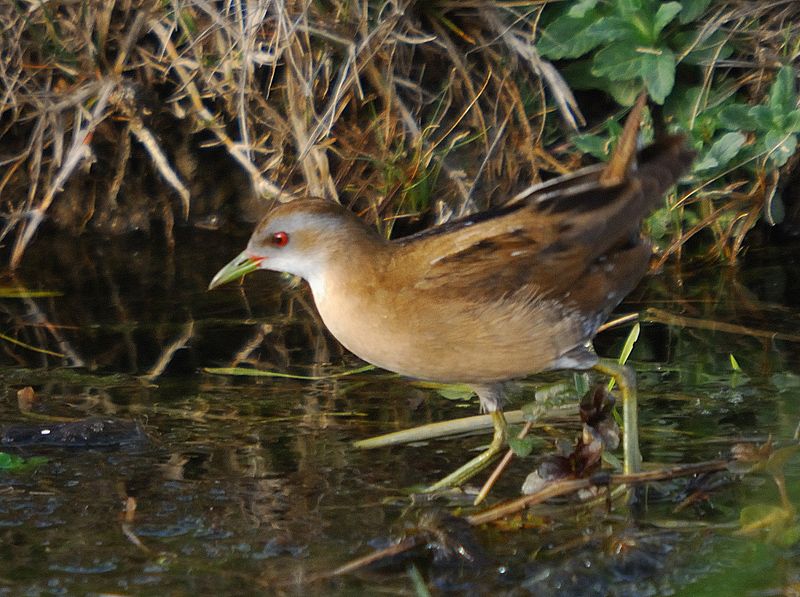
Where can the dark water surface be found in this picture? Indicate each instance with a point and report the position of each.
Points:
(252, 486)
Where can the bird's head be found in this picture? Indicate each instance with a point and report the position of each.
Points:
(299, 237)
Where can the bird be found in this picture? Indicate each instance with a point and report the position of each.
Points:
(492, 297)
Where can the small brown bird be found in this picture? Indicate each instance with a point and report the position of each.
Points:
(492, 297)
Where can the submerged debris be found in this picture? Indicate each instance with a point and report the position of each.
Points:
(600, 432)
(94, 432)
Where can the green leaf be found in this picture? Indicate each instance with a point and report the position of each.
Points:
(624, 92)
(761, 515)
(664, 16)
(788, 537)
(658, 223)
(418, 582)
(721, 152)
(618, 62)
(581, 382)
(658, 72)
(570, 37)
(594, 145)
(684, 104)
(627, 348)
(792, 122)
(580, 9)
(780, 146)
(579, 75)
(533, 411)
(737, 117)
(778, 460)
(763, 117)
(782, 94)
(775, 520)
(455, 392)
(692, 9)
(628, 8)
(618, 29)
(522, 447)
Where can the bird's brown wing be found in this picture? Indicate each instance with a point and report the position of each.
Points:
(576, 238)
(489, 258)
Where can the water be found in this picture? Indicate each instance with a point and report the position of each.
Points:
(251, 484)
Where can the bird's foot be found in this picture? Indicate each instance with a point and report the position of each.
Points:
(480, 462)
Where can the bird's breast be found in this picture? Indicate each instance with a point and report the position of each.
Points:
(408, 332)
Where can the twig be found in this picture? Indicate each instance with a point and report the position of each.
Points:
(401, 547)
(501, 466)
(622, 320)
(554, 490)
(37, 316)
(660, 316)
(252, 344)
(565, 487)
(146, 138)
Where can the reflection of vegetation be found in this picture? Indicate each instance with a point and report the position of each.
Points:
(249, 372)
(399, 109)
(776, 523)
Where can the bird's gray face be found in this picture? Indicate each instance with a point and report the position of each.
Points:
(286, 240)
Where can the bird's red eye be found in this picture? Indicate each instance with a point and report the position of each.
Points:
(280, 239)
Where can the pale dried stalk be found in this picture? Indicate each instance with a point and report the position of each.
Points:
(146, 138)
(79, 151)
(516, 41)
(37, 317)
(254, 342)
(166, 355)
(262, 186)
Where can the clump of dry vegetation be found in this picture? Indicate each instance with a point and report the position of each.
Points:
(118, 114)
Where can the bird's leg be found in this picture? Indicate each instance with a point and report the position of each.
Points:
(626, 380)
(481, 461)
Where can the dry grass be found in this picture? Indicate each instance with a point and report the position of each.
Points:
(116, 114)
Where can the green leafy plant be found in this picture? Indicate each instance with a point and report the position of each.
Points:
(776, 123)
(718, 131)
(635, 45)
(759, 139)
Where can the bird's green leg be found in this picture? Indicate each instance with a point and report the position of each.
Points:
(481, 461)
(626, 380)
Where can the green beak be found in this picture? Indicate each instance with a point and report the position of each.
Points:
(240, 266)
